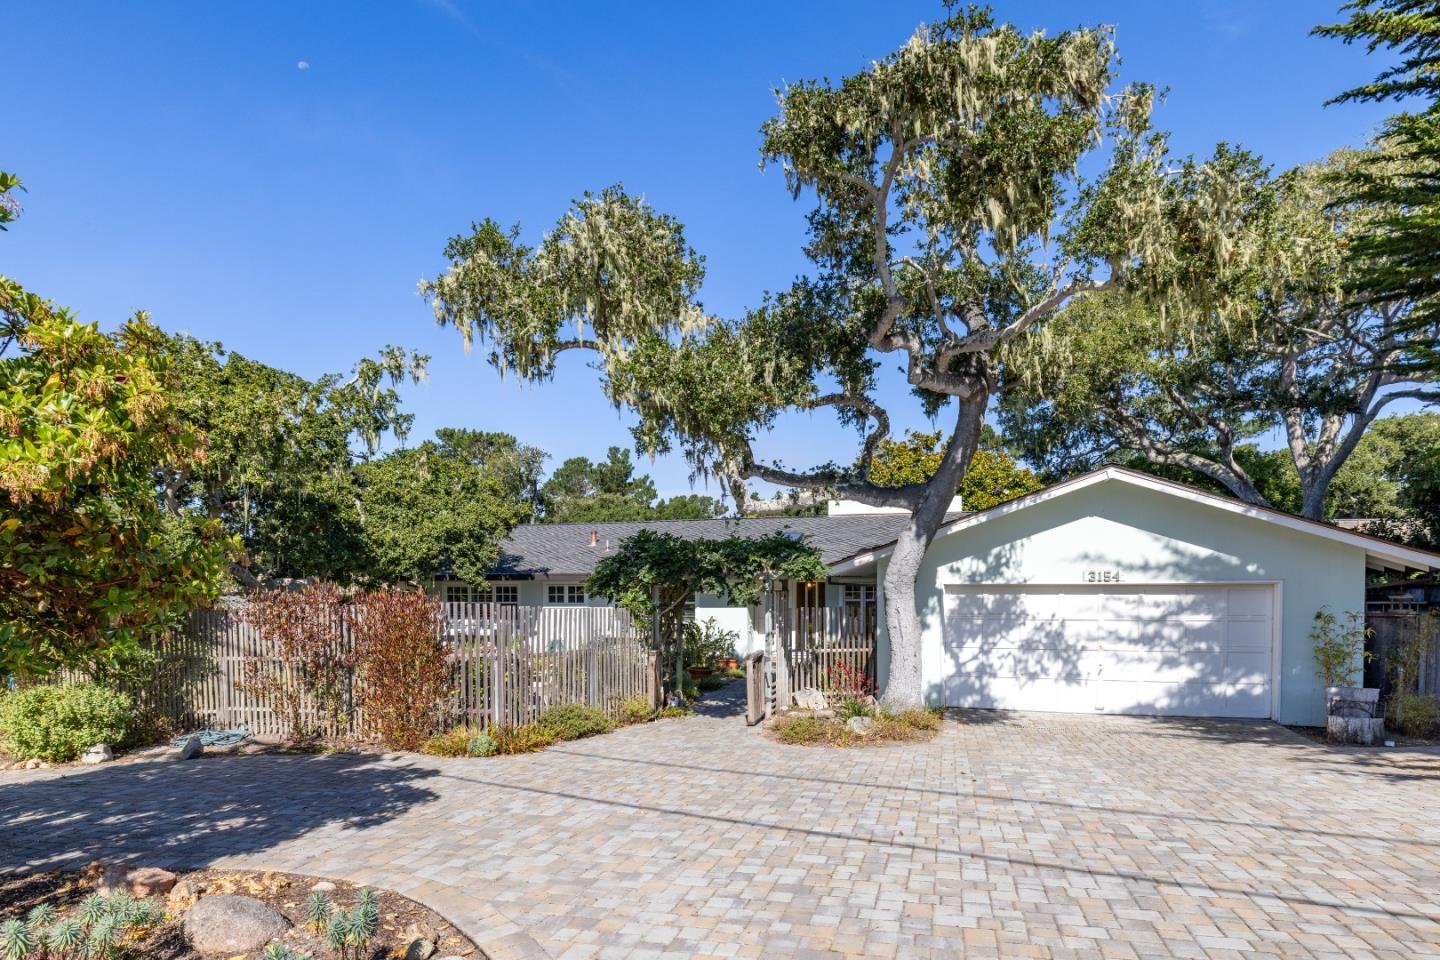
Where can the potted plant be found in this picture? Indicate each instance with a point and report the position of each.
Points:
(1339, 655)
(705, 644)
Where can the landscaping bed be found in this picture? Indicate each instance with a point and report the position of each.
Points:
(829, 728)
(157, 926)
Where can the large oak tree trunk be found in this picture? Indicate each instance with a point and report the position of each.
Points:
(903, 685)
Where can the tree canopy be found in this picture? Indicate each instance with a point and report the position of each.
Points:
(86, 420)
(1300, 354)
(993, 478)
(580, 491)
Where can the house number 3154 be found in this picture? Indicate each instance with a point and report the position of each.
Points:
(1102, 576)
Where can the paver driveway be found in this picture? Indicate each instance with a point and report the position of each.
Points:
(1019, 835)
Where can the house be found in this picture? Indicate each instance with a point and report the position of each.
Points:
(1112, 592)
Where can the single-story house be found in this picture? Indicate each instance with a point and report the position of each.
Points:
(1112, 592)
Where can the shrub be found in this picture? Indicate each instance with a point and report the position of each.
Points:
(1338, 648)
(669, 713)
(848, 683)
(309, 664)
(805, 728)
(636, 709)
(404, 670)
(526, 738)
(571, 721)
(452, 743)
(481, 745)
(713, 682)
(707, 642)
(60, 723)
(734, 673)
(846, 709)
(927, 720)
(690, 690)
(1416, 714)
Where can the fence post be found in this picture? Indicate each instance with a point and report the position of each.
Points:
(497, 670)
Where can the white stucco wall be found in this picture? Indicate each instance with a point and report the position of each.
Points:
(1148, 537)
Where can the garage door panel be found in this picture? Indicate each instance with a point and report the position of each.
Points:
(1201, 651)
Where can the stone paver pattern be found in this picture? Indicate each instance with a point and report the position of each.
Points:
(1014, 835)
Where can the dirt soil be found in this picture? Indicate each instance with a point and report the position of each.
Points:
(1318, 733)
(400, 918)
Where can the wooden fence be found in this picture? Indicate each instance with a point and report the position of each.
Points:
(825, 644)
(1390, 629)
(508, 665)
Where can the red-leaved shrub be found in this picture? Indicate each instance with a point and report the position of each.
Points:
(305, 677)
(404, 673)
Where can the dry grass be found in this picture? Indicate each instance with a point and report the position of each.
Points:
(798, 727)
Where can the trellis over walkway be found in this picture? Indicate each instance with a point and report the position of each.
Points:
(509, 664)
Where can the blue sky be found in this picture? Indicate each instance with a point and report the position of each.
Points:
(180, 160)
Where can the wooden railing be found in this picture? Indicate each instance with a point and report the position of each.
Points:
(509, 664)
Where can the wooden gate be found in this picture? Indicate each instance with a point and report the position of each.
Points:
(830, 649)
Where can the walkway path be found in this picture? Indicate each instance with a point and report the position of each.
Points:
(1020, 835)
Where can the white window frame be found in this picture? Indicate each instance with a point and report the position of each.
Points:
(456, 592)
(565, 593)
(501, 594)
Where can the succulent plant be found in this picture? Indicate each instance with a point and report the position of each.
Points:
(93, 909)
(337, 935)
(318, 910)
(365, 917)
(143, 913)
(65, 937)
(15, 941)
(102, 939)
(279, 951)
(41, 916)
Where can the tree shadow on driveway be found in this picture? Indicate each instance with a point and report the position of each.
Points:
(188, 814)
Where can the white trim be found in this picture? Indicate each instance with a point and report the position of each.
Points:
(1397, 555)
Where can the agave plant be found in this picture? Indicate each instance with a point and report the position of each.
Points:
(318, 910)
(15, 941)
(143, 913)
(365, 917)
(65, 938)
(41, 916)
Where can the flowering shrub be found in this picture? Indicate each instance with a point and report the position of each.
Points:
(402, 665)
(848, 683)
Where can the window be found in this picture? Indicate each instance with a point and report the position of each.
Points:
(859, 593)
(505, 594)
(457, 593)
(566, 593)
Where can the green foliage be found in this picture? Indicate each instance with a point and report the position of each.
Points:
(318, 910)
(279, 454)
(513, 467)
(9, 203)
(65, 938)
(1406, 657)
(846, 709)
(673, 712)
(452, 743)
(583, 492)
(525, 738)
(402, 664)
(424, 508)
(1397, 262)
(573, 721)
(96, 931)
(16, 942)
(279, 951)
(635, 709)
(689, 689)
(805, 728)
(706, 642)
(365, 918)
(481, 745)
(1339, 647)
(1297, 354)
(59, 723)
(1416, 714)
(40, 916)
(993, 477)
(86, 419)
(715, 681)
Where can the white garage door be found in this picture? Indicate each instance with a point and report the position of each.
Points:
(1201, 651)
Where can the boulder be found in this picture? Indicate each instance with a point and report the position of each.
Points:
(862, 726)
(191, 748)
(419, 950)
(137, 881)
(99, 753)
(324, 886)
(227, 924)
(810, 699)
(186, 892)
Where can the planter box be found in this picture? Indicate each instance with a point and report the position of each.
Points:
(727, 663)
(697, 672)
(1355, 703)
(1363, 730)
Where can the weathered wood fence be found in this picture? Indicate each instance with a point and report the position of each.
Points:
(1390, 629)
(508, 665)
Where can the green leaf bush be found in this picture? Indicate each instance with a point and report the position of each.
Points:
(636, 709)
(58, 723)
(1416, 714)
(573, 721)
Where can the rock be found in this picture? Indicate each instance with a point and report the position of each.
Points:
(33, 764)
(419, 950)
(99, 753)
(137, 881)
(191, 748)
(419, 931)
(810, 699)
(864, 726)
(324, 886)
(186, 891)
(227, 924)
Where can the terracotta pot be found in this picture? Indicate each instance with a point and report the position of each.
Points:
(727, 663)
(697, 672)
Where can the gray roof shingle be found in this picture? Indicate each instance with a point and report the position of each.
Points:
(563, 549)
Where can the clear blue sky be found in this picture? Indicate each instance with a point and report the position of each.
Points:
(180, 160)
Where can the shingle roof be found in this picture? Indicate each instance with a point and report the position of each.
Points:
(563, 549)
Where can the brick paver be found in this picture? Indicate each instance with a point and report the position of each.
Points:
(1021, 835)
